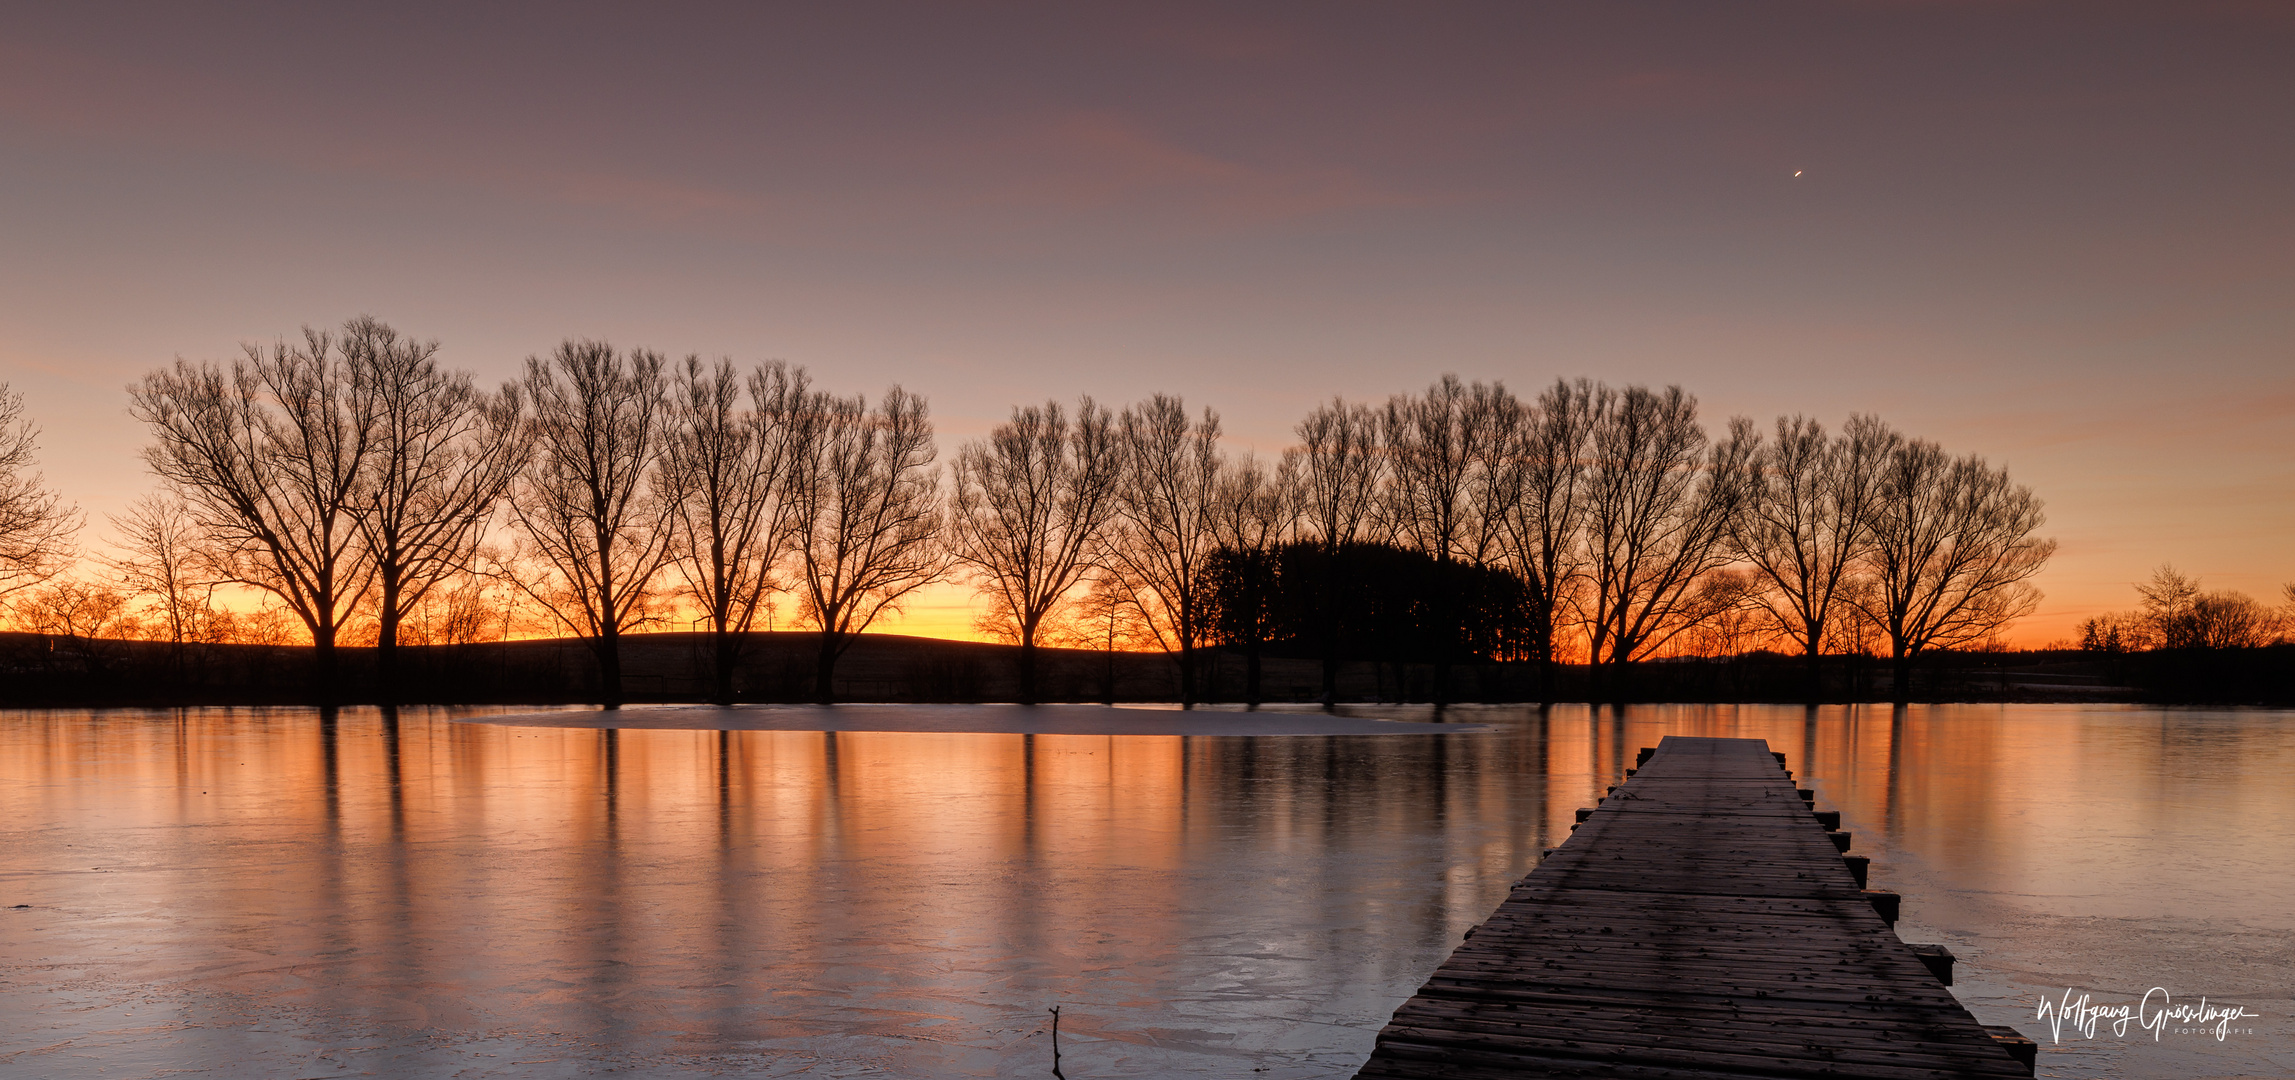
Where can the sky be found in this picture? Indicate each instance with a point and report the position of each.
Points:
(2056, 235)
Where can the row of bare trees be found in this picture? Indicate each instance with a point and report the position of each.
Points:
(351, 469)
(2176, 613)
(320, 470)
(1618, 514)
(351, 477)
(1623, 519)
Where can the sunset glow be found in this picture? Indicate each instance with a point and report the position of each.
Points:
(1998, 241)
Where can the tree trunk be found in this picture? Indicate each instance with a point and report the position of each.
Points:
(386, 661)
(1900, 665)
(1251, 671)
(1027, 664)
(825, 673)
(725, 657)
(1815, 655)
(1446, 633)
(1329, 627)
(1186, 676)
(609, 650)
(386, 642)
(1545, 647)
(323, 665)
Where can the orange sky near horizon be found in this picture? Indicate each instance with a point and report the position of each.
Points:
(2053, 234)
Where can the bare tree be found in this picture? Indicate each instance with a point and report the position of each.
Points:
(1339, 472)
(1029, 507)
(2177, 614)
(1434, 446)
(444, 455)
(1544, 509)
(1254, 511)
(2168, 599)
(866, 514)
(36, 527)
(1160, 544)
(2227, 619)
(1495, 424)
(269, 456)
(1952, 553)
(158, 557)
(587, 500)
(1660, 498)
(463, 608)
(1107, 618)
(726, 476)
(1807, 522)
(73, 608)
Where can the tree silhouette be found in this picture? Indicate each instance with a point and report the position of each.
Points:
(1661, 500)
(1027, 516)
(1160, 544)
(443, 455)
(587, 499)
(1952, 553)
(269, 455)
(867, 517)
(1254, 511)
(1544, 514)
(726, 475)
(1338, 465)
(36, 526)
(1808, 521)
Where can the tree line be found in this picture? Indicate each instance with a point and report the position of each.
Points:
(2175, 613)
(368, 491)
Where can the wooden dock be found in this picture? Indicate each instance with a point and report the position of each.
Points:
(1700, 923)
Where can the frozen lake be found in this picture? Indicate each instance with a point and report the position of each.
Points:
(257, 892)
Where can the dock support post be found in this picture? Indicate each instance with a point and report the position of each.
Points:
(1939, 961)
(2025, 1051)
(1859, 867)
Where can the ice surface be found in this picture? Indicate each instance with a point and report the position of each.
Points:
(264, 893)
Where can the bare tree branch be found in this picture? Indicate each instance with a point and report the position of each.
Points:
(444, 455)
(866, 514)
(1162, 539)
(1543, 513)
(1030, 505)
(36, 525)
(1436, 445)
(1952, 553)
(587, 500)
(1254, 513)
(726, 475)
(1660, 503)
(1807, 522)
(269, 456)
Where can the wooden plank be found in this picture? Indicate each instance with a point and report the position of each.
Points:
(1698, 924)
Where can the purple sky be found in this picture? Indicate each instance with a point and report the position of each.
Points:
(2059, 235)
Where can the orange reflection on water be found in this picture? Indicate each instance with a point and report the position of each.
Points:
(662, 897)
(250, 889)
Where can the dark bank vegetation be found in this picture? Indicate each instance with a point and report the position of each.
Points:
(341, 518)
(782, 667)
